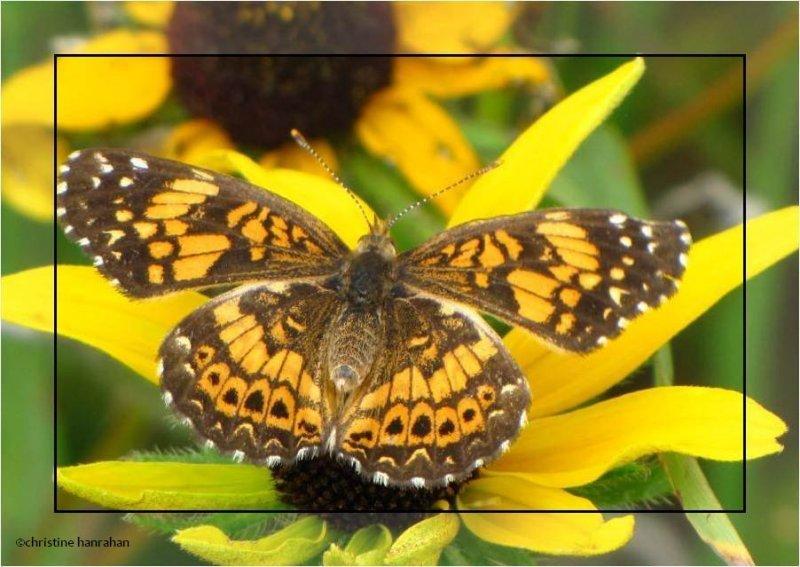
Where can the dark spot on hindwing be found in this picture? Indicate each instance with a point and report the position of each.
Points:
(279, 410)
(421, 427)
(255, 401)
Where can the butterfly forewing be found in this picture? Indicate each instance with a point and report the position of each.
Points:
(155, 226)
(574, 277)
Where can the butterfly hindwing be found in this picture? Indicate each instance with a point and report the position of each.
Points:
(445, 399)
(155, 226)
(245, 369)
(574, 277)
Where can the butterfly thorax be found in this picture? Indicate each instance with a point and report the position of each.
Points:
(365, 282)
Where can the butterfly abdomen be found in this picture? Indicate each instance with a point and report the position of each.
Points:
(355, 341)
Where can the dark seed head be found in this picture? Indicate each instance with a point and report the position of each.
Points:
(258, 100)
(328, 485)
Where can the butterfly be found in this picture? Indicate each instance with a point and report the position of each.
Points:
(371, 355)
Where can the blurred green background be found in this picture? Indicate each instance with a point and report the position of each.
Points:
(675, 144)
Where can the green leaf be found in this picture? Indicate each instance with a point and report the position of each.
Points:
(170, 485)
(335, 555)
(422, 543)
(243, 525)
(368, 546)
(627, 486)
(469, 549)
(601, 174)
(183, 455)
(293, 545)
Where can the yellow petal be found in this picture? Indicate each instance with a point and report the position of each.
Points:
(152, 13)
(562, 380)
(533, 160)
(98, 92)
(420, 138)
(295, 544)
(451, 27)
(292, 156)
(27, 168)
(551, 533)
(444, 80)
(28, 96)
(319, 196)
(170, 486)
(575, 448)
(93, 92)
(190, 140)
(90, 310)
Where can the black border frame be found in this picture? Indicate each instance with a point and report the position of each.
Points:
(743, 510)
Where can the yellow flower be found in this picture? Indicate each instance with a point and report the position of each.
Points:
(567, 444)
(98, 94)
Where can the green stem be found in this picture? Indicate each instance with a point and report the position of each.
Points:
(692, 487)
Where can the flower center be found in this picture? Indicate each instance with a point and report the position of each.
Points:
(327, 485)
(259, 99)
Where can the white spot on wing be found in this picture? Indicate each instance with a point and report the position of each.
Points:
(183, 343)
(138, 163)
(68, 229)
(651, 247)
(61, 187)
(381, 478)
(642, 307)
(684, 260)
(625, 241)
(418, 482)
(125, 182)
(273, 460)
(74, 155)
(617, 219)
(167, 397)
(98, 261)
(160, 368)
(61, 211)
(238, 456)
(601, 341)
(202, 174)
(508, 388)
(647, 230)
(106, 168)
(95, 181)
(63, 168)
(210, 444)
(84, 242)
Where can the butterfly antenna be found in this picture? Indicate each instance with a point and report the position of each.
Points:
(303, 143)
(477, 173)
